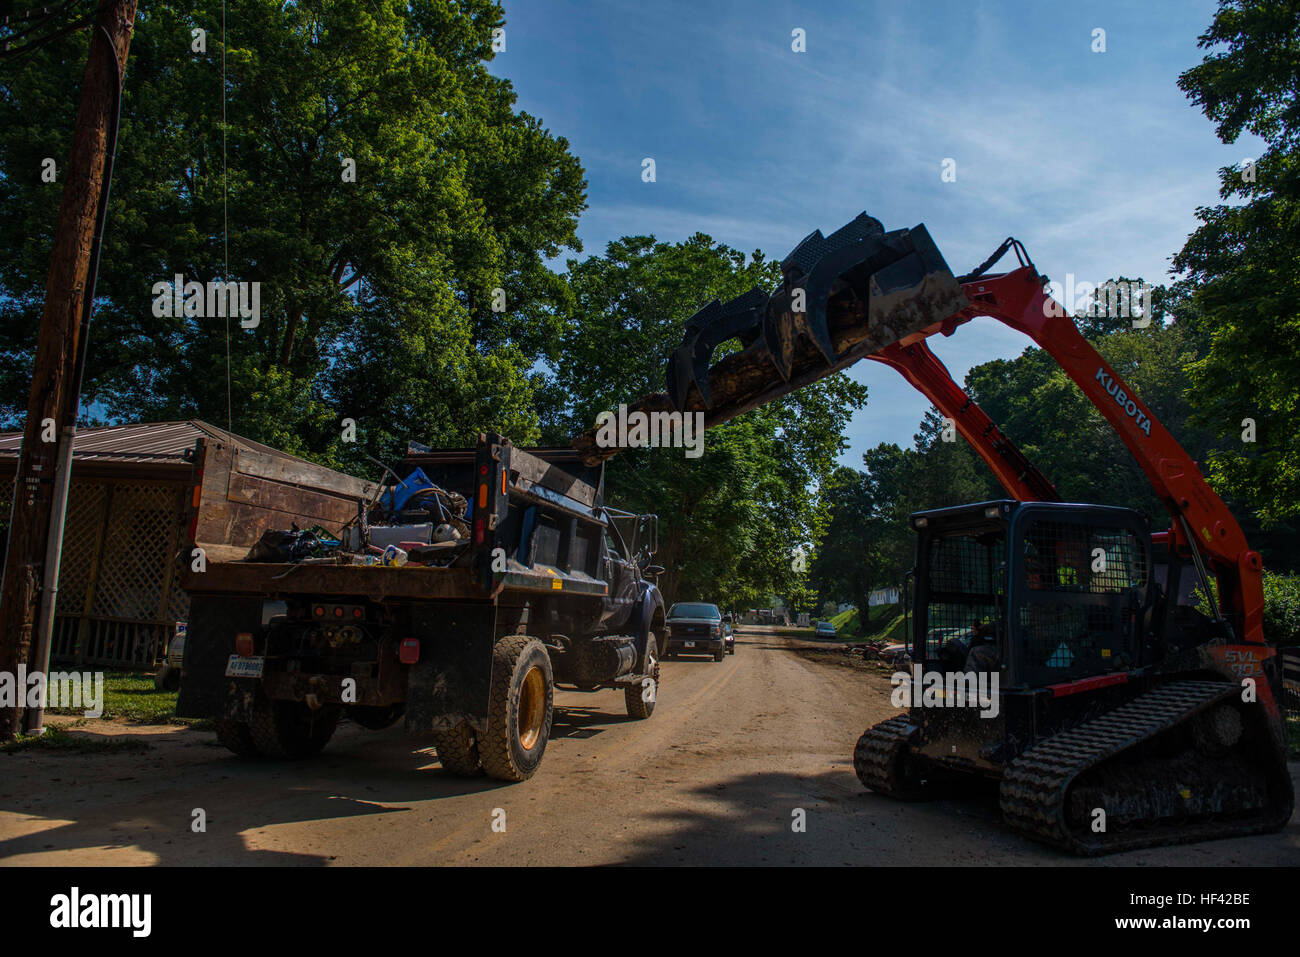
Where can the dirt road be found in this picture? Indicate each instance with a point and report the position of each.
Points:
(734, 753)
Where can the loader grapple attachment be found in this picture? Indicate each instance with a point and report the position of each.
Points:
(742, 317)
(842, 296)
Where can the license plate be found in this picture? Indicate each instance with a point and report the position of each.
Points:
(238, 667)
(689, 644)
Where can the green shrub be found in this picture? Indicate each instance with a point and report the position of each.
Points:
(1282, 608)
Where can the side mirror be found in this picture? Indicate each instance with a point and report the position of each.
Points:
(654, 569)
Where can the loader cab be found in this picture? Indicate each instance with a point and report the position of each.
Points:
(1011, 603)
(1057, 591)
(1079, 592)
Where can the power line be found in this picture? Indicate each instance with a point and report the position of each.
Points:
(225, 214)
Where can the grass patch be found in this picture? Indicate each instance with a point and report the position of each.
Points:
(131, 696)
(884, 623)
(60, 739)
(892, 631)
(847, 624)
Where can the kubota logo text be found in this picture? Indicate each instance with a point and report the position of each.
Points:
(1131, 408)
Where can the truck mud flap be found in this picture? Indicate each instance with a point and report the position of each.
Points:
(452, 681)
(214, 621)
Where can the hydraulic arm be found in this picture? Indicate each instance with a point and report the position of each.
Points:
(863, 292)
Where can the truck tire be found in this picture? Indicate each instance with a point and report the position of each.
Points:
(458, 751)
(519, 709)
(634, 695)
(720, 653)
(376, 718)
(235, 736)
(289, 729)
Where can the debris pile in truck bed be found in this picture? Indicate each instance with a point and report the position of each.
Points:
(413, 522)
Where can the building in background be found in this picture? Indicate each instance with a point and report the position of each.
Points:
(134, 489)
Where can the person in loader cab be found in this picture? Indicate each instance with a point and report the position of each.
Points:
(980, 651)
(985, 648)
(1070, 563)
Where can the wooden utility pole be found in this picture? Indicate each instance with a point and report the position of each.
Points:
(54, 397)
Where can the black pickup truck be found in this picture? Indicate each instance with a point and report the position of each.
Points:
(530, 582)
(696, 628)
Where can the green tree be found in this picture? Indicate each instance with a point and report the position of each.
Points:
(863, 547)
(377, 291)
(868, 543)
(732, 520)
(1242, 256)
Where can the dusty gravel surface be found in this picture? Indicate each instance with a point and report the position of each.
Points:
(717, 776)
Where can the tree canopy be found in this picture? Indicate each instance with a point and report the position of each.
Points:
(1242, 257)
(403, 219)
(378, 183)
(732, 520)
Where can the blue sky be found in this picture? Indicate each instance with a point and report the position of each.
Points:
(1096, 161)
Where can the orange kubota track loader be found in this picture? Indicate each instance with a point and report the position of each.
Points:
(1056, 647)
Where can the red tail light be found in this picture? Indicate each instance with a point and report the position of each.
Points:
(408, 653)
(244, 644)
(196, 496)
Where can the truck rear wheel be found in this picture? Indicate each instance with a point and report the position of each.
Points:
(375, 718)
(458, 751)
(236, 737)
(634, 696)
(290, 729)
(519, 709)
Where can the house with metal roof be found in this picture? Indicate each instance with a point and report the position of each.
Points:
(128, 508)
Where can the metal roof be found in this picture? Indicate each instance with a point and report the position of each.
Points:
(142, 442)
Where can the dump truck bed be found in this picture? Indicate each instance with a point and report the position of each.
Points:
(542, 529)
(380, 583)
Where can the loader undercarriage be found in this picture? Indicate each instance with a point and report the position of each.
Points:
(1168, 767)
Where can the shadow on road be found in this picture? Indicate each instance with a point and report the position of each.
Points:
(94, 801)
(756, 819)
(583, 722)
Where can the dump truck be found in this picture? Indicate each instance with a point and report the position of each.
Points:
(514, 578)
(1111, 677)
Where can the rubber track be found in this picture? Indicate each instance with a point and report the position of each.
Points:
(1034, 786)
(876, 753)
